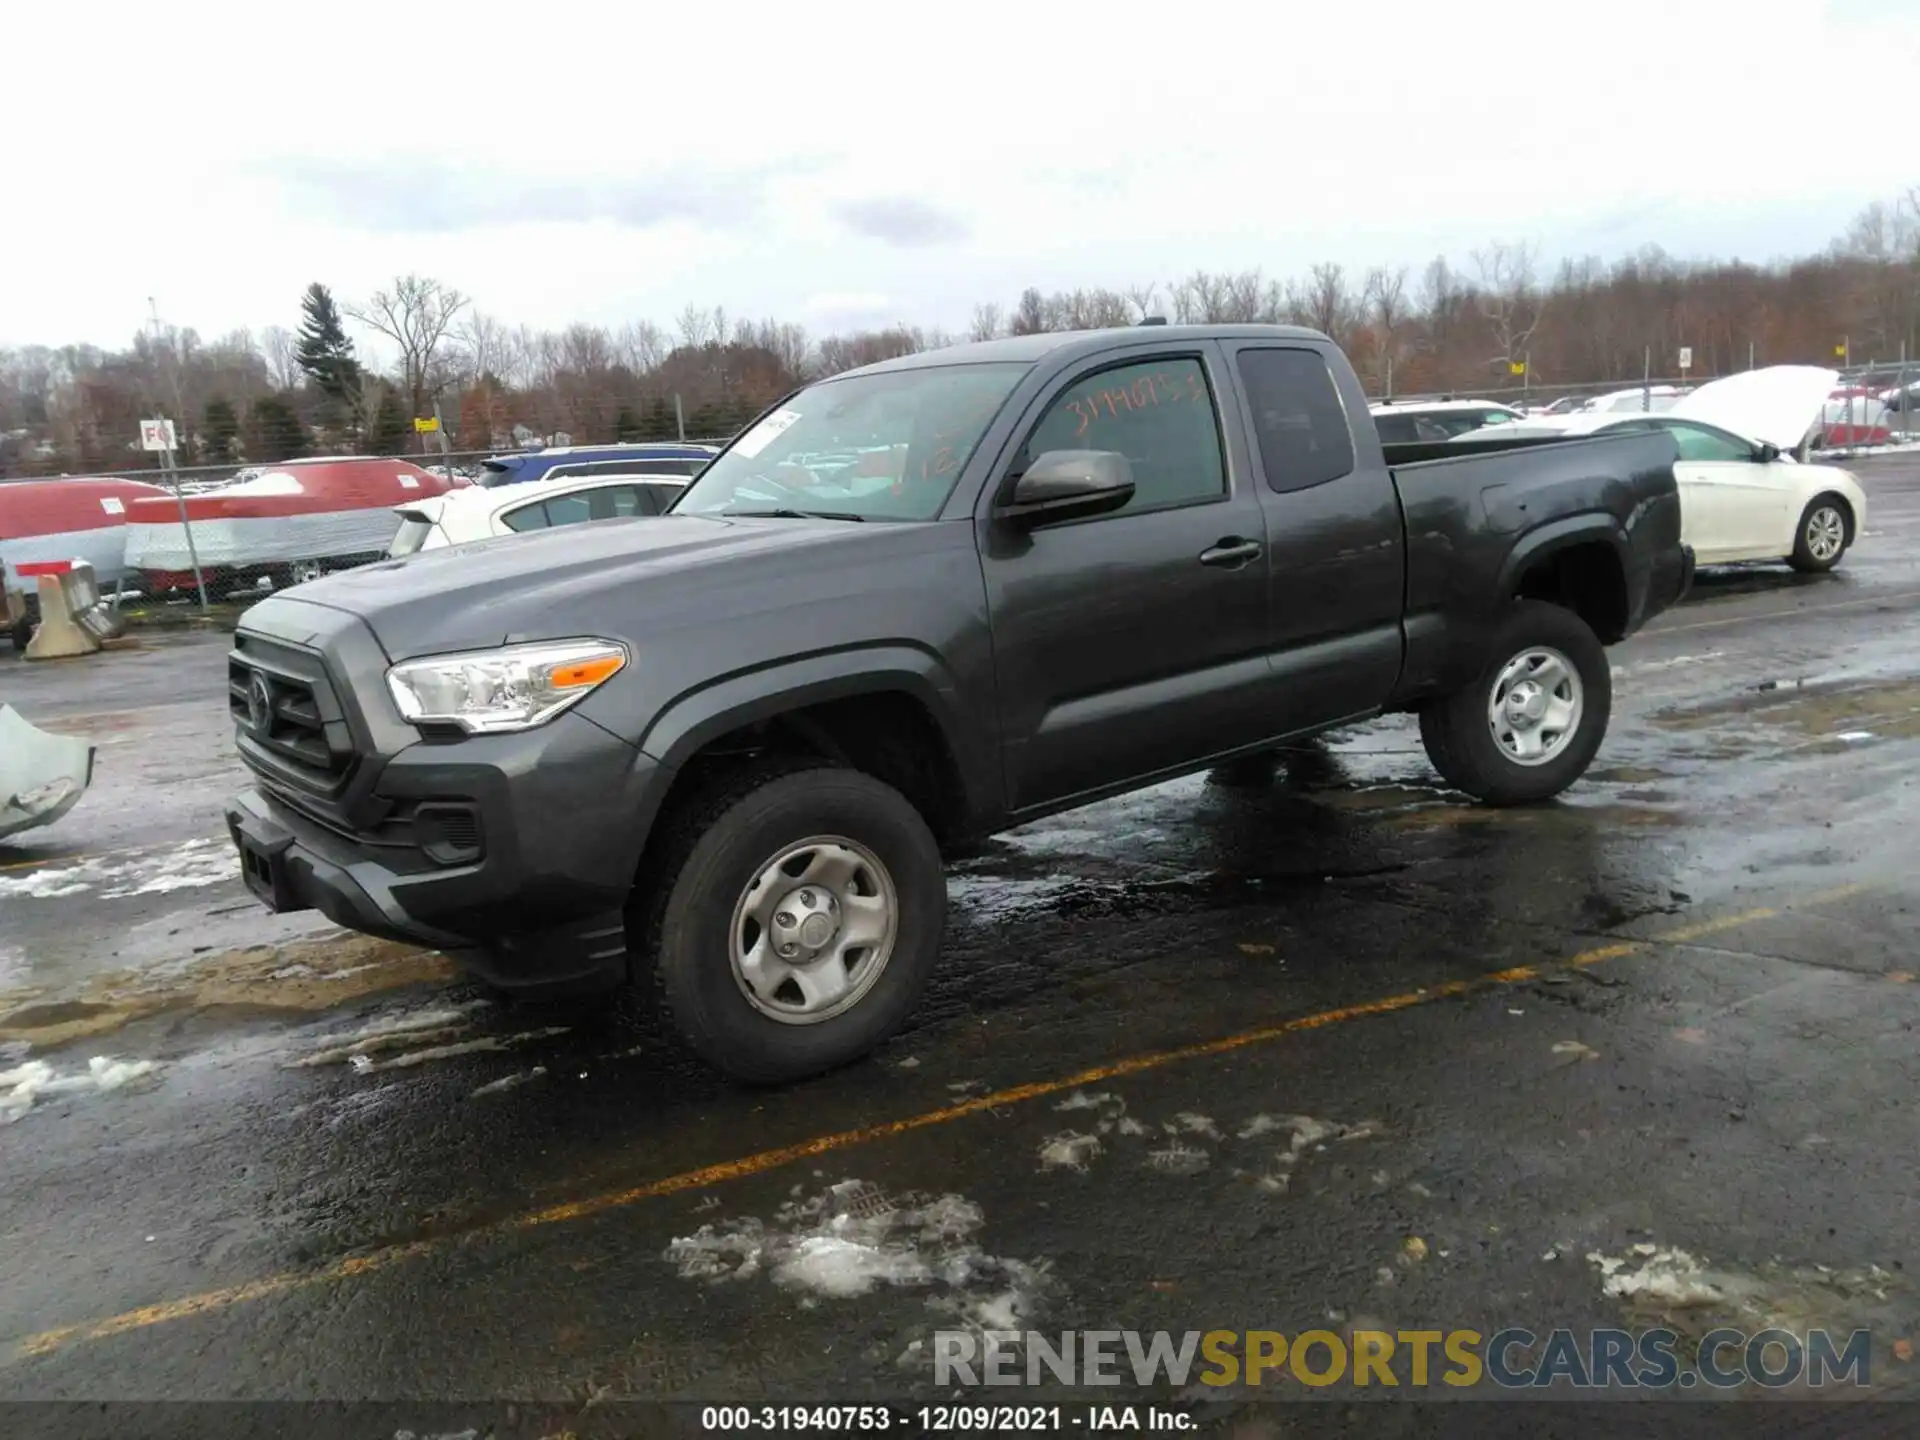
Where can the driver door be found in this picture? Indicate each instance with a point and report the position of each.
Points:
(1134, 642)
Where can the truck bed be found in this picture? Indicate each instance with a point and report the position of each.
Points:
(1464, 502)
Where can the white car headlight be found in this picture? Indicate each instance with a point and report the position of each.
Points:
(515, 687)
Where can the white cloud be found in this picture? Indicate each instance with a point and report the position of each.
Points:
(582, 162)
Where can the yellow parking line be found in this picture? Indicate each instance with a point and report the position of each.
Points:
(209, 1301)
(43, 860)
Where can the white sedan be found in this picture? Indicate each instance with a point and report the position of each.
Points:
(1743, 495)
(480, 513)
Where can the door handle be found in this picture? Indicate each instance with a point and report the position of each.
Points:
(1232, 552)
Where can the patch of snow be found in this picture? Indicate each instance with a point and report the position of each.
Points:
(189, 865)
(1189, 1123)
(853, 1239)
(508, 1082)
(1854, 736)
(1081, 1100)
(1069, 1150)
(1670, 1277)
(26, 1082)
(1179, 1159)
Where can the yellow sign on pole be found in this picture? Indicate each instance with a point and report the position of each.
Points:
(1841, 351)
(1517, 367)
(425, 425)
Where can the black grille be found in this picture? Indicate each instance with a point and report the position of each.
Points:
(286, 713)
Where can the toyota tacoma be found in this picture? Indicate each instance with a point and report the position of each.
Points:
(722, 752)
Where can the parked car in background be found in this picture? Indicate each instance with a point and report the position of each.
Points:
(1743, 495)
(480, 513)
(1405, 422)
(564, 461)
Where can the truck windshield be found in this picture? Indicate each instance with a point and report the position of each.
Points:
(878, 447)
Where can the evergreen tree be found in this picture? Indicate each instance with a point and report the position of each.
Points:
(219, 431)
(277, 431)
(323, 350)
(627, 425)
(660, 424)
(391, 428)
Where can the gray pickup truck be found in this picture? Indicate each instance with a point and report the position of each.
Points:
(722, 752)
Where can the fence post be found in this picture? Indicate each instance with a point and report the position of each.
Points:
(193, 551)
(680, 416)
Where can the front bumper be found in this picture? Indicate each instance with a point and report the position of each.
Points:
(553, 820)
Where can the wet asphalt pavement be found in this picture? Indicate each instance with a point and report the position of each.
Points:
(1324, 1047)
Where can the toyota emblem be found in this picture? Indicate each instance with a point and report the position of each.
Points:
(259, 703)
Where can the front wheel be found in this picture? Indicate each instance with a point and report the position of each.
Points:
(803, 910)
(1533, 720)
(1826, 529)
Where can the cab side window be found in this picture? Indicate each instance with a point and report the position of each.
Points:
(1298, 419)
(1699, 444)
(1159, 414)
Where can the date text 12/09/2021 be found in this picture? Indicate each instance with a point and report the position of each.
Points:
(942, 1419)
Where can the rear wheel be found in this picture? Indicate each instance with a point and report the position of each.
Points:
(1826, 530)
(1532, 721)
(800, 913)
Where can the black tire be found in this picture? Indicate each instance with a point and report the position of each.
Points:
(1815, 517)
(709, 851)
(20, 633)
(1459, 737)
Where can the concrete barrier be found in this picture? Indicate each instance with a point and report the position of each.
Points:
(64, 598)
(91, 611)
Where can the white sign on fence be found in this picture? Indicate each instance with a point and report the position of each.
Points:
(157, 435)
(1686, 357)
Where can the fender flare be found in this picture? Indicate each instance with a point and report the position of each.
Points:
(1557, 535)
(699, 716)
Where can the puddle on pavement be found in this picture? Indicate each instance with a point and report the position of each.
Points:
(1825, 711)
(300, 978)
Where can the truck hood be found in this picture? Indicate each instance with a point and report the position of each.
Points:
(534, 586)
(1777, 405)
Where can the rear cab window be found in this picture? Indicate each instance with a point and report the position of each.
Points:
(1299, 423)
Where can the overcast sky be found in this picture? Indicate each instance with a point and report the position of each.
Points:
(848, 164)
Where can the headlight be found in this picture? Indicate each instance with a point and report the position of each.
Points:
(515, 687)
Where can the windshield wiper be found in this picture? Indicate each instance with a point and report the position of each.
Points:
(785, 514)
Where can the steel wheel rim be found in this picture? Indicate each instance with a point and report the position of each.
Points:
(305, 570)
(1535, 705)
(814, 930)
(1826, 533)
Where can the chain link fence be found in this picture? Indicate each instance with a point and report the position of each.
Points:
(177, 553)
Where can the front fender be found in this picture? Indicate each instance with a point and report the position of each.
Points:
(701, 716)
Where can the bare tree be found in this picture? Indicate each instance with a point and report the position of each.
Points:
(416, 315)
(986, 322)
(1383, 297)
(1508, 299)
(642, 346)
(486, 342)
(279, 347)
(1141, 298)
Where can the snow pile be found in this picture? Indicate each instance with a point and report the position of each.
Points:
(852, 1238)
(1665, 1277)
(189, 865)
(26, 1082)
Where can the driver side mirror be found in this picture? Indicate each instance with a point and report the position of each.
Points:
(1767, 453)
(1065, 485)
